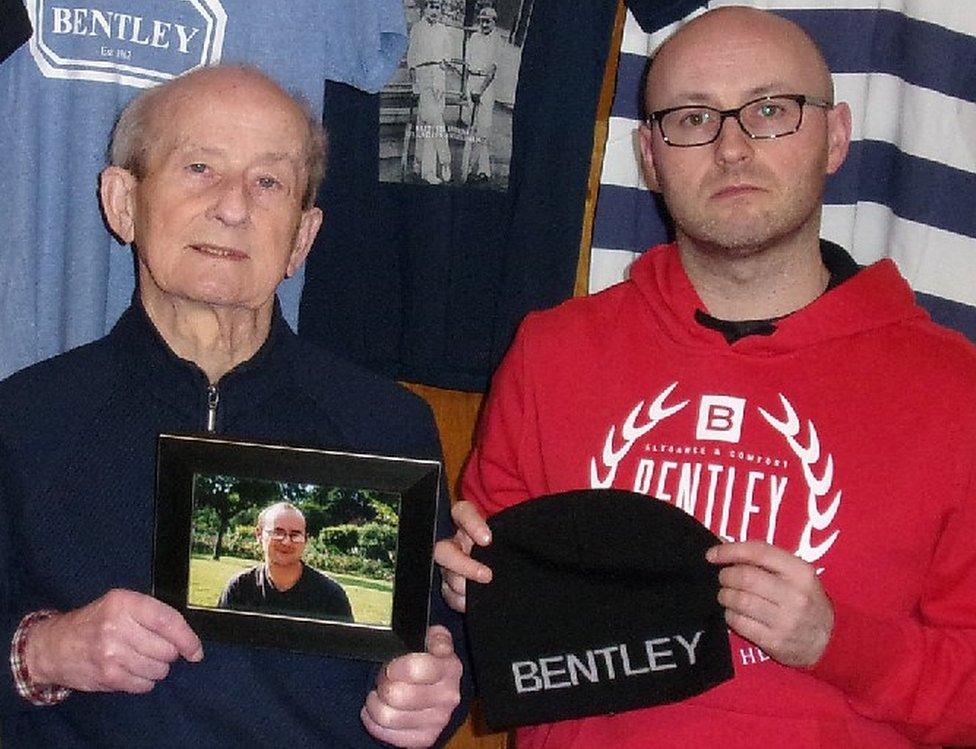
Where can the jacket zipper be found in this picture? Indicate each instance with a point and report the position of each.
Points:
(213, 397)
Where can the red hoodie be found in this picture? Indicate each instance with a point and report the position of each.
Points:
(848, 436)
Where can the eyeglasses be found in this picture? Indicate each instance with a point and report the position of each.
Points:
(280, 534)
(763, 118)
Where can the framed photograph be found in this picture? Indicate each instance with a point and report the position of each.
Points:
(446, 114)
(293, 547)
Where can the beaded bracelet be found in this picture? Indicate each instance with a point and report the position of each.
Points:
(47, 695)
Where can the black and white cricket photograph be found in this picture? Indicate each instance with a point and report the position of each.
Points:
(446, 115)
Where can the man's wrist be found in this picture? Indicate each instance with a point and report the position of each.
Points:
(26, 685)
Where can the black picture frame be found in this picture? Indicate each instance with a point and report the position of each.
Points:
(183, 458)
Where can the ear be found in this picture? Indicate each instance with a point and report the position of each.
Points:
(838, 135)
(117, 192)
(308, 227)
(645, 136)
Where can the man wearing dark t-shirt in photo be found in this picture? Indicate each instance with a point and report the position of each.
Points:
(284, 584)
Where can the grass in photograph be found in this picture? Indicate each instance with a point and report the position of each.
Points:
(370, 599)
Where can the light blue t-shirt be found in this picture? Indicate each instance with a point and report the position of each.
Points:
(63, 280)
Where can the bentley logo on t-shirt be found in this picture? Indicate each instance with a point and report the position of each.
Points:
(113, 42)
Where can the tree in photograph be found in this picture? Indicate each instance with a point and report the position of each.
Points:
(229, 496)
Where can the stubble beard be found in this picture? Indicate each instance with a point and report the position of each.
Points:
(743, 231)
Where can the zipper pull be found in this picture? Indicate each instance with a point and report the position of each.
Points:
(213, 397)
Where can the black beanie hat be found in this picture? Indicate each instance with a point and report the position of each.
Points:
(600, 601)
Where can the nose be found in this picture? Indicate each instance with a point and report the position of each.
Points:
(732, 145)
(232, 203)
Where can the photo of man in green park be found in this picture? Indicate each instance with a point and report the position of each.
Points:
(293, 549)
(283, 583)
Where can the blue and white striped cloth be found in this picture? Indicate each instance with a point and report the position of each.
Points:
(908, 189)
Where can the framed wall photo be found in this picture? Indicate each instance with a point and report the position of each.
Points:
(295, 547)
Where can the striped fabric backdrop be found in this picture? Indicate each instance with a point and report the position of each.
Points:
(908, 189)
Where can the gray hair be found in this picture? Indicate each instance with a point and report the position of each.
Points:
(132, 136)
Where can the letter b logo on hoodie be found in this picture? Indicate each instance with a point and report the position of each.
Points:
(720, 418)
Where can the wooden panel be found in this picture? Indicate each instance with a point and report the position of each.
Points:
(599, 147)
(456, 411)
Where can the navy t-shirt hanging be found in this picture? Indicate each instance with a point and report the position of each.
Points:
(454, 198)
(15, 26)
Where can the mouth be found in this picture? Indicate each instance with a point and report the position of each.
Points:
(218, 251)
(736, 191)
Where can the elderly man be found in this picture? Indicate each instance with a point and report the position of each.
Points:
(212, 181)
(284, 584)
(803, 408)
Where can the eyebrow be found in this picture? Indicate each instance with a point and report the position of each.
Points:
(766, 89)
(263, 157)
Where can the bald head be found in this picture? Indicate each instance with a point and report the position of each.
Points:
(267, 516)
(717, 43)
(147, 119)
(754, 135)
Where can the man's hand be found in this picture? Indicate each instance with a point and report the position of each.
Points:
(454, 554)
(415, 694)
(122, 642)
(774, 599)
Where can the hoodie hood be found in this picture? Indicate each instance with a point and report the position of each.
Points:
(875, 297)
